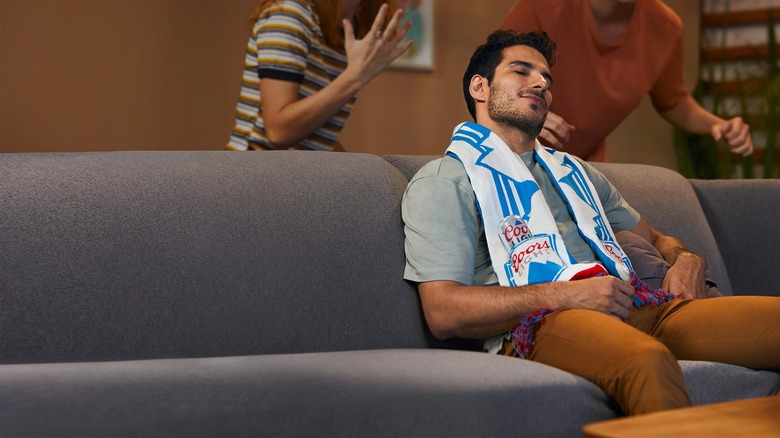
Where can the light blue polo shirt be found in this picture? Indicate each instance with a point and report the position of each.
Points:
(445, 238)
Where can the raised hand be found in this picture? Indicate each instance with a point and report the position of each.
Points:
(736, 133)
(556, 131)
(369, 56)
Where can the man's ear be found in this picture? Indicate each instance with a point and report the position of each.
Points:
(479, 88)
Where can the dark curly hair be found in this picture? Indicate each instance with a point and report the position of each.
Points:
(487, 56)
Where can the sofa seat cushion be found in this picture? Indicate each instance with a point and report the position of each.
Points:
(402, 392)
(710, 382)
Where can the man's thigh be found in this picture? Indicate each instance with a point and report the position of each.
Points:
(740, 330)
(590, 344)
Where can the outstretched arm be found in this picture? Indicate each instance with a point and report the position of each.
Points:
(686, 275)
(453, 309)
(692, 117)
(289, 120)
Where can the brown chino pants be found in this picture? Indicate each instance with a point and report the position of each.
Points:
(635, 361)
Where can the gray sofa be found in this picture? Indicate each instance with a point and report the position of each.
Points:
(261, 294)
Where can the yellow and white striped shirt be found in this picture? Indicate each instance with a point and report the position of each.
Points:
(287, 43)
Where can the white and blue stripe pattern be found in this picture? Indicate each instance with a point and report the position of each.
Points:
(504, 186)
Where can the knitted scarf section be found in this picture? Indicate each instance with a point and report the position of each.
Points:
(523, 239)
(523, 334)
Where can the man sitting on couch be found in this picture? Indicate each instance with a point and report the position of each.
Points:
(513, 244)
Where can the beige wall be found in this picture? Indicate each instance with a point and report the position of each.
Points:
(85, 75)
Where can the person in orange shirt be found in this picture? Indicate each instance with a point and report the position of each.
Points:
(612, 53)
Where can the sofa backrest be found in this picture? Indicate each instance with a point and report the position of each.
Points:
(135, 255)
(663, 197)
(668, 202)
(744, 216)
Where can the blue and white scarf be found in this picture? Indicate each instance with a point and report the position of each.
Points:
(505, 187)
(522, 236)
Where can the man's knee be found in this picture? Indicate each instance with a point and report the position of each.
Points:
(651, 381)
(652, 358)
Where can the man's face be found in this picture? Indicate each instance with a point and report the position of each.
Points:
(520, 91)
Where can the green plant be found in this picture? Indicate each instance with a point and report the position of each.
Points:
(700, 156)
(771, 165)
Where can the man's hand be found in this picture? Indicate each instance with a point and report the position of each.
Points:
(736, 133)
(606, 294)
(555, 132)
(686, 276)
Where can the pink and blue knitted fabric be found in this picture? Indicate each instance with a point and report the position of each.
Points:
(523, 334)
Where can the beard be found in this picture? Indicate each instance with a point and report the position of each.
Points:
(503, 110)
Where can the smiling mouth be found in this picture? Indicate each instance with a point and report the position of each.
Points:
(539, 101)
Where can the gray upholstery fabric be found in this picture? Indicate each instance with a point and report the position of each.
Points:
(408, 165)
(667, 201)
(748, 232)
(710, 382)
(132, 255)
(362, 393)
(216, 266)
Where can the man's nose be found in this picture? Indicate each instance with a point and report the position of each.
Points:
(540, 82)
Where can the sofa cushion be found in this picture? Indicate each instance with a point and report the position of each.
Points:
(711, 382)
(744, 215)
(359, 393)
(133, 255)
(667, 201)
(415, 392)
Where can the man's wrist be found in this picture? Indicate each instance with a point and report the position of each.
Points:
(686, 256)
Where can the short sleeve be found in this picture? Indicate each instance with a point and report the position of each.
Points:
(441, 229)
(619, 213)
(669, 90)
(283, 40)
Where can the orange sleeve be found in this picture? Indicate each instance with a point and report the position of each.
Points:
(670, 88)
(521, 17)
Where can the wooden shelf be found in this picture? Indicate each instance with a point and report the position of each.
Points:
(734, 88)
(754, 57)
(741, 53)
(740, 18)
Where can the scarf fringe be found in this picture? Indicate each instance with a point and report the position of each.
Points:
(523, 334)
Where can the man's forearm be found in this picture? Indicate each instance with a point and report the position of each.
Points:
(671, 248)
(456, 310)
(691, 117)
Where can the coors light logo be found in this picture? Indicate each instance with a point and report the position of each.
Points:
(513, 230)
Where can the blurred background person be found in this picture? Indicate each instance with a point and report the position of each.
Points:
(305, 62)
(613, 53)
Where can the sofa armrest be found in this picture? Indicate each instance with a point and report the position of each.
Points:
(743, 217)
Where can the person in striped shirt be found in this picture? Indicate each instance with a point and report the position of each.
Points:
(305, 64)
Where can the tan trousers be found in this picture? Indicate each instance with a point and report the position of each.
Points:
(635, 361)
